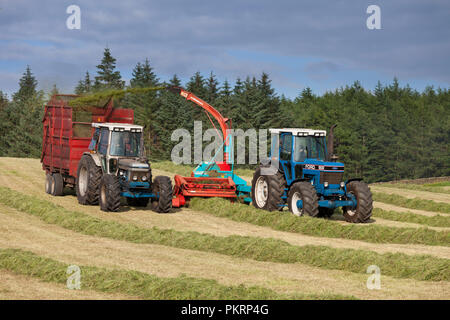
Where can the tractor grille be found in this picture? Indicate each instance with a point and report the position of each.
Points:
(331, 177)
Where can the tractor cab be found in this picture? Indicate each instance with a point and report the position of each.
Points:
(303, 155)
(120, 148)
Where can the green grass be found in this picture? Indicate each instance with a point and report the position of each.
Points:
(417, 187)
(415, 203)
(185, 170)
(420, 267)
(285, 221)
(438, 184)
(139, 284)
(434, 221)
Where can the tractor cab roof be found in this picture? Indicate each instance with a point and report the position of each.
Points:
(300, 131)
(119, 126)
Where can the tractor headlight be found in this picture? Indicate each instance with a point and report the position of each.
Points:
(121, 172)
(342, 184)
(325, 184)
(144, 178)
(135, 178)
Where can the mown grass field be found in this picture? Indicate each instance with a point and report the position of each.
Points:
(216, 249)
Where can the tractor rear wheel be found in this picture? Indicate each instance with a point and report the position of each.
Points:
(57, 185)
(162, 186)
(88, 180)
(137, 202)
(307, 193)
(363, 210)
(109, 193)
(267, 191)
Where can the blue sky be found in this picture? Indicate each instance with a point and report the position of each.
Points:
(320, 44)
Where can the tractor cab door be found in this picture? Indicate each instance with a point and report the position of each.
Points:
(286, 145)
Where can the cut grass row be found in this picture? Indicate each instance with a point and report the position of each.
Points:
(434, 221)
(185, 170)
(284, 221)
(417, 187)
(419, 267)
(138, 284)
(415, 203)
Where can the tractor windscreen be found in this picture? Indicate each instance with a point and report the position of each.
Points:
(125, 144)
(309, 147)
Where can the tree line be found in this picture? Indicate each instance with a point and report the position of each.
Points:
(388, 133)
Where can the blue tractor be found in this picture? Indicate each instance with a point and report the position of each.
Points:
(305, 176)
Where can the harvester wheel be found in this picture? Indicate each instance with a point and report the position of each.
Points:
(110, 193)
(303, 191)
(267, 190)
(325, 212)
(48, 183)
(89, 176)
(57, 185)
(137, 202)
(363, 210)
(162, 185)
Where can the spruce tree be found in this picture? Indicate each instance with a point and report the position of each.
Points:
(27, 87)
(143, 76)
(106, 77)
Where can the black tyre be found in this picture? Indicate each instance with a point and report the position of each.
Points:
(57, 185)
(88, 181)
(137, 202)
(303, 191)
(267, 191)
(110, 193)
(363, 210)
(325, 212)
(162, 185)
(48, 183)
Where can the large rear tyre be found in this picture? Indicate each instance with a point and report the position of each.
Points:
(137, 202)
(88, 180)
(110, 193)
(162, 186)
(57, 185)
(303, 191)
(267, 191)
(363, 210)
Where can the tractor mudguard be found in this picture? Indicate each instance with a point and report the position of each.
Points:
(95, 157)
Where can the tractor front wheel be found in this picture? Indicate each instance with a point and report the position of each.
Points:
(363, 210)
(162, 186)
(307, 193)
(267, 191)
(110, 193)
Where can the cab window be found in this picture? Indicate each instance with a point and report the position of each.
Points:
(286, 147)
(104, 137)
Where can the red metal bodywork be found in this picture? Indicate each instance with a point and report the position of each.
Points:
(67, 133)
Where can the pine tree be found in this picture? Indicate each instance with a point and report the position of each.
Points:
(28, 84)
(3, 100)
(143, 76)
(84, 86)
(196, 85)
(212, 90)
(107, 78)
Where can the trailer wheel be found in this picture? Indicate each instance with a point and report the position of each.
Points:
(162, 185)
(88, 181)
(303, 191)
(48, 183)
(137, 202)
(110, 193)
(363, 210)
(267, 191)
(57, 185)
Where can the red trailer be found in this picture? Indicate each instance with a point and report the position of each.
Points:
(67, 132)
